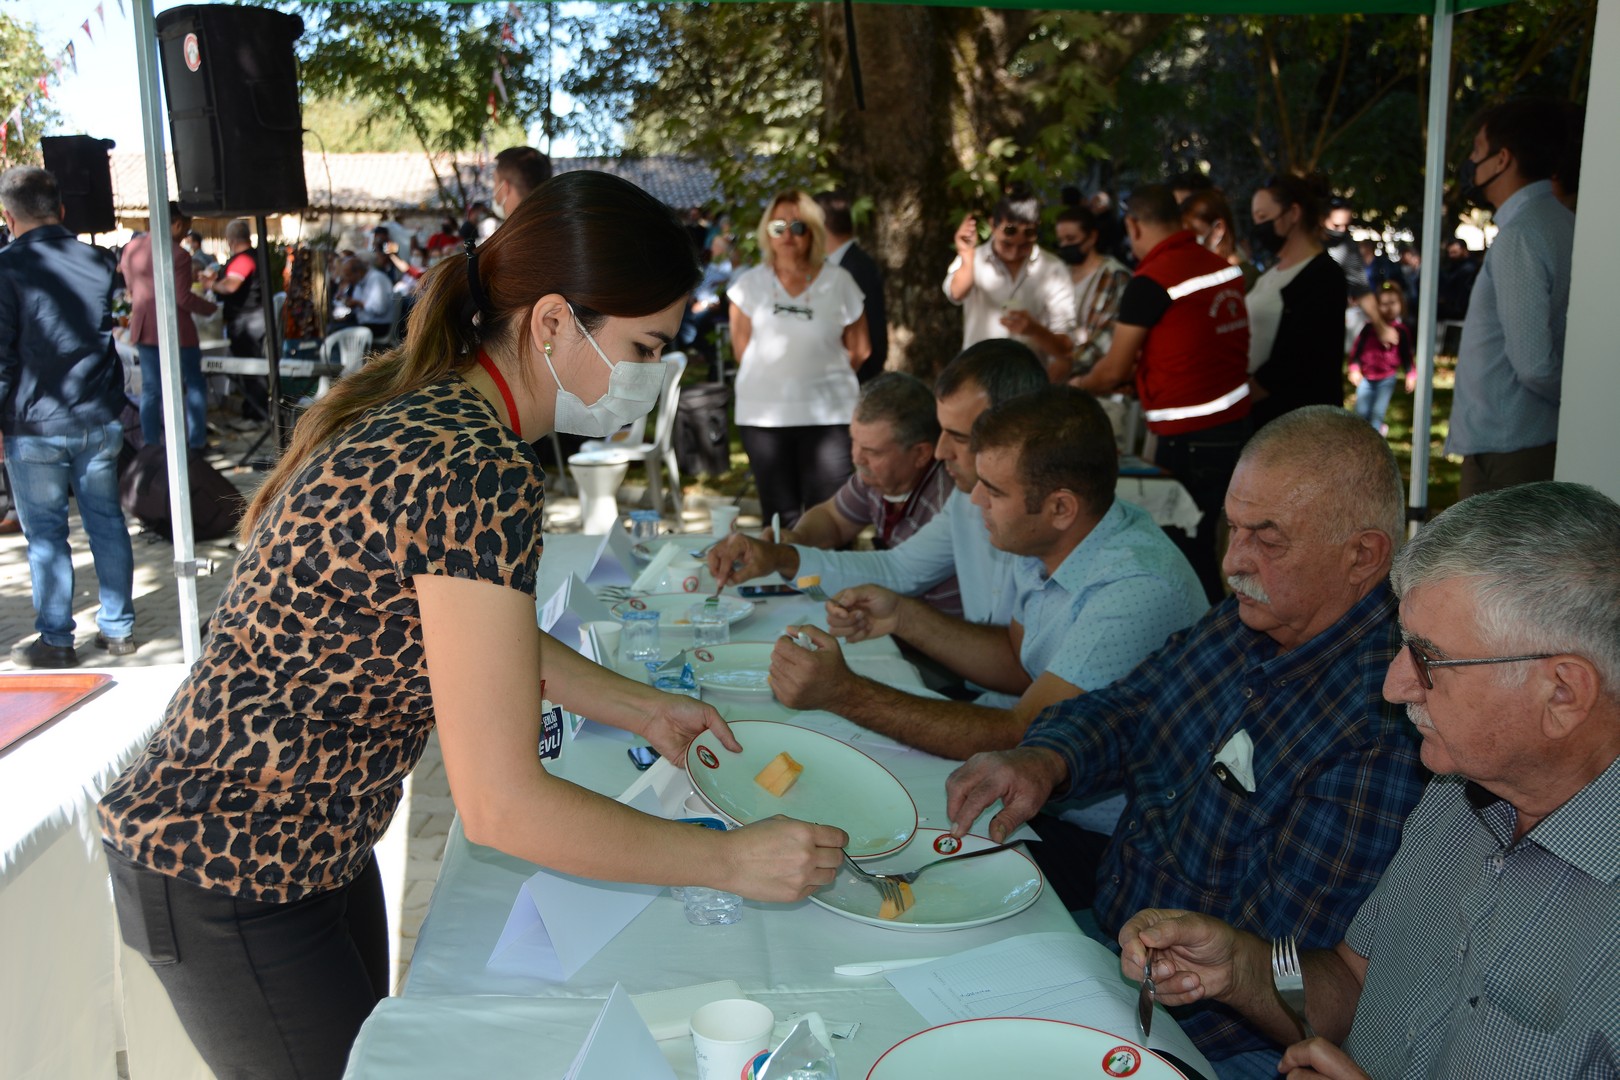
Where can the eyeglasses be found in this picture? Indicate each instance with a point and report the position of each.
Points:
(1423, 662)
(1020, 232)
(780, 227)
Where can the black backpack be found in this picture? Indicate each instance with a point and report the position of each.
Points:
(143, 490)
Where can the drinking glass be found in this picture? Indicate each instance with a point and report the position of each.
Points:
(638, 641)
(709, 626)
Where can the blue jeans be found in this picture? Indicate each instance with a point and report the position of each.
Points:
(196, 393)
(1372, 399)
(45, 469)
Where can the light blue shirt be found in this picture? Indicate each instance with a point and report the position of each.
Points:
(1511, 363)
(954, 542)
(1115, 599)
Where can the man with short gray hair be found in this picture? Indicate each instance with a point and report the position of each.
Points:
(1489, 946)
(898, 485)
(1265, 777)
(61, 393)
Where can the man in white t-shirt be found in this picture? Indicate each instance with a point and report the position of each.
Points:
(1010, 287)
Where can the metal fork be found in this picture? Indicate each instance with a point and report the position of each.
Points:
(887, 887)
(911, 875)
(1286, 973)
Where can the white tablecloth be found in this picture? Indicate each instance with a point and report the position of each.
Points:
(58, 942)
(459, 1018)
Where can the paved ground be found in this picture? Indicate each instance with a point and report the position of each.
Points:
(427, 811)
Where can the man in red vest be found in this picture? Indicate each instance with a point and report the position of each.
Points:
(1184, 331)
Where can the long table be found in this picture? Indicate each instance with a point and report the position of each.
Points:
(457, 1017)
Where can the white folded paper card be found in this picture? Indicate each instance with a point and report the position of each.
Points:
(613, 561)
(619, 1046)
(572, 604)
(655, 569)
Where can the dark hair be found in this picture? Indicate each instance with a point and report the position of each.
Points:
(905, 402)
(1309, 193)
(30, 193)
(1192, 180)
(1079, 215)
(1069, 195)
(1018, 203)
(1394, 289)
(524, 167)
(607, 246)
(1534, 130)
(1209, 206)
(835, 207)
(1154, 204)
(1001, 367)
(238, 232)
(1064, 441)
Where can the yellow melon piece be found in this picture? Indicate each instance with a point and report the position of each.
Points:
(809, 581)
(780, 775)
(890, 910)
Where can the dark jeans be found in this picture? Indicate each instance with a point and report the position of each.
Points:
(1492, 472)
(266, 991)
(195, 396)
(1204, 462)
(796, 467)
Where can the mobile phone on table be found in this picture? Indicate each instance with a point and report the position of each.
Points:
(642, 757)
(756, 592)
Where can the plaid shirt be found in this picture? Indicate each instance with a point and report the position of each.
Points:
(1336, 770)
(1490, 956)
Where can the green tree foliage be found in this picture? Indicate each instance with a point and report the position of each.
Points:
(22, 62)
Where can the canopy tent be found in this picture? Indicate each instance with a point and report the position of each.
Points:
(1589, 443)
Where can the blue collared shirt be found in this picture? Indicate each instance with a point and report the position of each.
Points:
(1118, 595)
(1491, 956)
(954, 542)
(1510, 365)
(1335, 765)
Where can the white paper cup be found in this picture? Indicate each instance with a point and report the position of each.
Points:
(722, 519)
(607, 639)
(727, 1034)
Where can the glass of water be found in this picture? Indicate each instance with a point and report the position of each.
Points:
(709, 625)
(638, 641)
(643, 526)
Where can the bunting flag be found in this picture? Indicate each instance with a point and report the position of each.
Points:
(44, 87)
(507, 35)
(73, 57)
(85, 26)
(494, 116)
(56, 65)
(16, 120)
(500, 86)
(102, 15)
(121, 9)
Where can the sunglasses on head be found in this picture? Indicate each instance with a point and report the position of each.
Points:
(780, 227)
(1019, 232)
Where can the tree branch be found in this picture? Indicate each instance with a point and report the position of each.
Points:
(1274, 70)
(1333, 99)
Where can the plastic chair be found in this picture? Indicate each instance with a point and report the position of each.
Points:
(347, 348)
(657, 455)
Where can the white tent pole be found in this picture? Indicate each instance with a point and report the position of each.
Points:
(1434, 179)
(168, 323)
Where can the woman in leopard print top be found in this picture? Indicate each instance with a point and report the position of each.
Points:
(387, 586)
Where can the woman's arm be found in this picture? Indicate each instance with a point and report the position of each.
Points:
(484, 657)
(858, 342)
(741, 330)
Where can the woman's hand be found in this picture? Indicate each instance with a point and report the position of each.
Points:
(782, 860)
(674, 720)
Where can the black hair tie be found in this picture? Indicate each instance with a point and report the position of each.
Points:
(475, 288)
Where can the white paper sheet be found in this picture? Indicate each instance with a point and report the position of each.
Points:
(1047, 976)
(619, 1046)
(559, 922)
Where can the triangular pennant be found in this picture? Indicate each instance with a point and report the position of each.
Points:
(73, 57)
(16, 118)
(44, 88)
(56, 65)
(507, 35)
(500, 86)
(121, 10)
(493, 115)
(102, 15)
(85, 26)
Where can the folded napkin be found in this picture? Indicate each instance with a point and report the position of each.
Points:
(1238, 757)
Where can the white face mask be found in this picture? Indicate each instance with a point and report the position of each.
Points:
(632, 392)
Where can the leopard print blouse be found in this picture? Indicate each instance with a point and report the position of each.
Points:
(279, 761)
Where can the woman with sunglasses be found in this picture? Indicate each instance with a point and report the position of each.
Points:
(799, 331)
(386, 587)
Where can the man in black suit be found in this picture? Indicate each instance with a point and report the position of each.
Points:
(842, 250)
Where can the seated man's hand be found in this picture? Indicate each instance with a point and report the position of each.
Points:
(1317, 1057)
(1023, 779)
(864, 612)
(805, 678)
(740, 558)
(1194, 956)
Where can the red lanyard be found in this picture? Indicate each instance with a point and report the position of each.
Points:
(506, 391)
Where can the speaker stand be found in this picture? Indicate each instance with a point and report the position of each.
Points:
(272, 348)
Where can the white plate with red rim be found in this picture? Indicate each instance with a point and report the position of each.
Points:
(978, 892)
(675, 608)
(839, 785)
(740, 667)
(1019, 1046)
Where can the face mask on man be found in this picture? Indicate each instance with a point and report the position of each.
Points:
(1471, 187)
(631, 394)
(1072, 254)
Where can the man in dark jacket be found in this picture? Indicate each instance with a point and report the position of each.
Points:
(842, 250)
(61, 392)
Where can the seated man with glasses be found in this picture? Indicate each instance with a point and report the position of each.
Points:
(1011, 287)
(1489, 946)
(1265, 777)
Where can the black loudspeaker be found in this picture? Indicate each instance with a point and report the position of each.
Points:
(231, 82)
(83, 174)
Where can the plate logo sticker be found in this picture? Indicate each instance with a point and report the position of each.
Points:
(637, 604)
(705, 755)
(1122, 1061)
(690, 584)
(704, 655)
(193, 53)
(946, 844)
